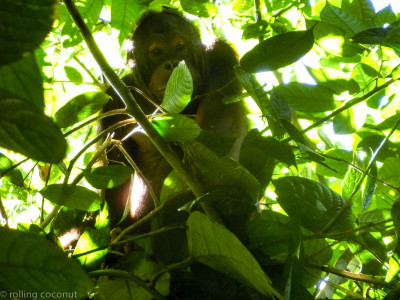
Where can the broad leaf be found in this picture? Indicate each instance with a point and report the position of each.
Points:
(14, 175)
(213, 170)
(213, 245)
(17, 18)
(90, 11)
(108, 177)
(74, 75)
(395, 212)
(123, 14)
(279, 51)
(140, 267)
(179, 89)
(339, 163)
(370, 186)
(177, 128)
(72, 196)
(92, 239)
(313, 203)
(25, 129)
(350, 181)
(22, 79)
(31, 263)
(384, 16)
(342, 19)
(363, 10)
(255, 90)
(80, 107)
(200, 8)
(307, 98)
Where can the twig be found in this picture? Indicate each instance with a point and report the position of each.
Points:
(349, 275)
(146, 218)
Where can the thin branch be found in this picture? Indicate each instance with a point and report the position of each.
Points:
(146, 218)
(171, 267)
(349, 275)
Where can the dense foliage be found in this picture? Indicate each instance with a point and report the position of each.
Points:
(310, 210)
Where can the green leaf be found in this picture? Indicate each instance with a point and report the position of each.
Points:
(384, 16)
(255, 30)
(90, 11)
(338, 165)
(213, 170)
(258, 154)
(14, 175)
(374, 216)
(342, 85)
(277, 52)
(350, 181)
(213, 245)
(313, 203)
(22, 79)
(108, 177)
(395, 212)
(17, 18)
(177, 128)
(342, 19)
(335, 40)
(142, 268)
(72, 196)
(378, 36)
(363, 10)
(179, 89)
(92, 239)
(200, 8)
(267, 229)
(29, 262)
(25, 129)
(370, 186)
(364, 75)
(281, 112)
(390, 173)
(123, 15)
(344, 123)
(74, 75)
(307, 98)
(374, 36)
(255, 90)
(80, 107)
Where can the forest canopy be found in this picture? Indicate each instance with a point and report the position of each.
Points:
(309, 208)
